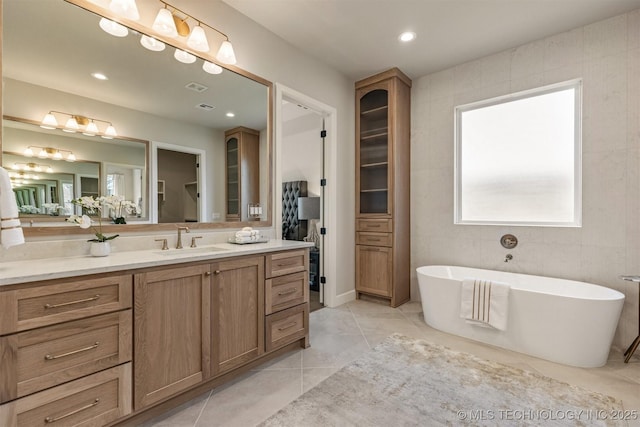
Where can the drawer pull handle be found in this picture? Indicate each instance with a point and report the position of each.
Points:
(289, 326)
(373, 240)
(374, 225)
(47, 306)
(287, 292)
(58, 356)
(207, 274)
(90, 405)
(217, 272)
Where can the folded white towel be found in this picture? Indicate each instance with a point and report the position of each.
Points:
(10, 230)
(252, 233)
(485, 303)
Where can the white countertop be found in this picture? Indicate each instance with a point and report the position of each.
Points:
(15, 272)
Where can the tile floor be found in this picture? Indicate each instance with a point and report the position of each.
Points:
(340, 335)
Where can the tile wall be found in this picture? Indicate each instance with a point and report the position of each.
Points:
(606, 55)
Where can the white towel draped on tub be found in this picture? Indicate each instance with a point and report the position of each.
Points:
(10, 230)
(485, 303)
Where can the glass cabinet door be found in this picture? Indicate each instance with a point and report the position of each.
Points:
(374, 152)
(233, 181)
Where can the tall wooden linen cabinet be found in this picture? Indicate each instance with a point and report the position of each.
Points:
(383, 114)
(242, 172)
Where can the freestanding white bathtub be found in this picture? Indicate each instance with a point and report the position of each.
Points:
(555, 319)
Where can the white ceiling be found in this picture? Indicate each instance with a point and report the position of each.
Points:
(359, 37)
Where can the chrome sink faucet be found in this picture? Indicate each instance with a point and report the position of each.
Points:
(186, 230)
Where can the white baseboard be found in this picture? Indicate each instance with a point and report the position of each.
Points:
(343, 298)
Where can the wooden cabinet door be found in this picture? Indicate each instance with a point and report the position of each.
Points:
(238, 312)
(374, 270)
(172, 331)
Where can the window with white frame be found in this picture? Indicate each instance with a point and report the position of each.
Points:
(518, 158)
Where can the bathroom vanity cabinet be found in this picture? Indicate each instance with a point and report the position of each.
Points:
(382, 186)
(118, 347)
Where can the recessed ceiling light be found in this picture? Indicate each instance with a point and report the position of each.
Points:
(407, 36)
(230, 114)
(99, 76)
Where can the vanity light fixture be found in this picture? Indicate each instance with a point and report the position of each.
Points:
(211, 68)
(152, 44)
(31, 167)
(198, 40)
(77, 123)
(164, 23)
(125, 8)
(168, 24)
(184, 57)
(48, 153)
(113, 28)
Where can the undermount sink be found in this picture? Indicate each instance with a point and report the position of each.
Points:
(191, 251)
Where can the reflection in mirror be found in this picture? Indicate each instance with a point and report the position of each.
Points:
(148, 96)
(123, 162)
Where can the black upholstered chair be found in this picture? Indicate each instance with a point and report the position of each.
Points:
(292, 227)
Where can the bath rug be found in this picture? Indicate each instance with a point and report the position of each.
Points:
(410, 382)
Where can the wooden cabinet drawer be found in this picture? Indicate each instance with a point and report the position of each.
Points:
(45, 357)
(374, 239)
(286, 291)
(287, 326)
(94, 400)
(379, 225)
(62, 301)
(282, 263)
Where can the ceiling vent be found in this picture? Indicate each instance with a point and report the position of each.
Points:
(205, 107)
(196, 87)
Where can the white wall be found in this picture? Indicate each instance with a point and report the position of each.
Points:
(606, 55)
(265, 54)
(302, 151)
(268, 56)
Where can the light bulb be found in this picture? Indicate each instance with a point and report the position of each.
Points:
(49, 122)
(125, 8)
(113, 28)
(28, 152)
(211, 68)
(49, 169)
(184, 57)
(42, 154)
(37, 168)
(71, 126)
(57, 155)
(91, 129)
(110, 132)
(152, 44)
(15, 167)
(164, 23)
(71, 157)
(225, 53)
(198, 40)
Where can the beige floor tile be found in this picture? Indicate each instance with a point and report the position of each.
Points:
(332, 321)
(311, 377)
(341, 335)
(333, 351)
(185, 415)
(291, 360)
(256, 397)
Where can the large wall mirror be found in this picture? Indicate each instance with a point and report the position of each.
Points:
(176, 124)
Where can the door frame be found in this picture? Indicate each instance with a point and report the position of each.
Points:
(201, 157)
(329, 113)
